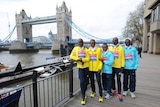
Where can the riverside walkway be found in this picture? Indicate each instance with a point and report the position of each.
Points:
(147, 89)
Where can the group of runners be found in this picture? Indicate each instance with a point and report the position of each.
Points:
(104, 63)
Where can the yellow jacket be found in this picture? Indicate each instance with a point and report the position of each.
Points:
(95, 63)
(118, 53)
(78, 53)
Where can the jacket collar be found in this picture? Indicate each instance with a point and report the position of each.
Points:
(115, 46)
(93, 48)
(81, 47)
(128, 47)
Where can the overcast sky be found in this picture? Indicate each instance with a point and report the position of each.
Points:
(101, 18)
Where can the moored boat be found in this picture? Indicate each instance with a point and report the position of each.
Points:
(19, 74)
(9, 97)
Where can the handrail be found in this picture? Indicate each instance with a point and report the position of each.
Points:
(51, 91)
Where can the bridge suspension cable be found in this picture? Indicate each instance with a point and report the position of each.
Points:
(79, 32)
(10, 34)
(83, 33)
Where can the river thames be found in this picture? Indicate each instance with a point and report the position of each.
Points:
(26, 59)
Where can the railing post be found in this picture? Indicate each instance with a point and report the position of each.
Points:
(71, 80)
(35, 96)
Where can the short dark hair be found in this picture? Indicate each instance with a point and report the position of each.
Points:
(105, 44)
(93, 40)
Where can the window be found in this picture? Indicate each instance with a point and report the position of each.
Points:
(156, 13)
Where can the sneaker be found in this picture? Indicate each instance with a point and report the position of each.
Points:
(133, 95)
(119, 96)
(100, 99)
(83, 102)
(107, 96)
(125, 93)
(114, 92)
(92, 94)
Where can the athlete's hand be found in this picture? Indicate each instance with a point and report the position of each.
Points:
(122, 69)
(99, 71)
(101, 59)
(80, 59)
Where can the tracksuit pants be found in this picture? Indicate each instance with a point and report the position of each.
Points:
(129, 80)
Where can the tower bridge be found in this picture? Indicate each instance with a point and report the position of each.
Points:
(63, 18)
(24, 28)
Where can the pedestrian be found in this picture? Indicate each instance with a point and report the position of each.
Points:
(140, 51)
(117, 66)
(130, 67)
(80, 55)
(95, 66)
(107, 59)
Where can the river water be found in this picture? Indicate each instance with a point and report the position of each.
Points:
(26, 59)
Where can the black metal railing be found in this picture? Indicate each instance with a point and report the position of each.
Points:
(51, 91)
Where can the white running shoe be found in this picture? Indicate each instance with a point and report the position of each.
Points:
(133, 95)
(104, 92)
(125, 93)
(107, 96)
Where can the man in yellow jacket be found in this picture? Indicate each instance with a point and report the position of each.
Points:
(80, 55)
(117, 66)
(95, 66)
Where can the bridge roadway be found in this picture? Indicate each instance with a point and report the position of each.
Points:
(147, 90)
(40, 20)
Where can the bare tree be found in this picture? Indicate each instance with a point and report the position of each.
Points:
(134, 24)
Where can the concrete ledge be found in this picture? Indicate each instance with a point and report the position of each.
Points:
(156, 53)
(150, 52)
(23, 50)
(57, 52)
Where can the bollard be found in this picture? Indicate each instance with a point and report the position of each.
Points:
(71, 80)
(35, 96)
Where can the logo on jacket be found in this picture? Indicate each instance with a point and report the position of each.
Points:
(115, 54)
(81, 54)
(93, 57)
(128, 56)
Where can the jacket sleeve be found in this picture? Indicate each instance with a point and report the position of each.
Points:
(100, 53)
(100, 65)
(86, 59)
(122, 57)
(73, 55)
(136, 59)
(110, 60)
(100, 62)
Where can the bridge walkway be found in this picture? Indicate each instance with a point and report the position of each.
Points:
(147, 90)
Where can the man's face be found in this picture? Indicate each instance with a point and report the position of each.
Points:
(92, 43)
(80, 42)
(127, 42)
(104, 47)
(115, 41)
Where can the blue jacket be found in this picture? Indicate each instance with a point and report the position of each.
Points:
(108, 59)
(131, 58)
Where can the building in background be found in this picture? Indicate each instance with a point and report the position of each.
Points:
(52, 36)
(43, 42)
(151, 33)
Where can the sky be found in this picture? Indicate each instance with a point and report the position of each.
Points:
(101, 18)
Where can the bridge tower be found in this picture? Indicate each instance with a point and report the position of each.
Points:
(64, 31)
(24, 31)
